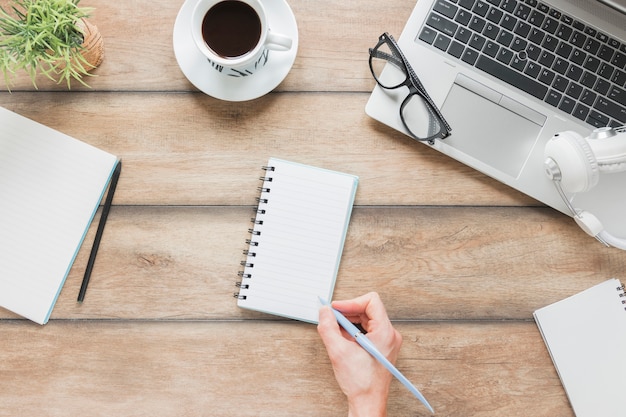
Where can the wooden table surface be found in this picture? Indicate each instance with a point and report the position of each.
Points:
(460, 260)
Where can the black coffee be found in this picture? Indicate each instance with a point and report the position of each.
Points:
(231, 28)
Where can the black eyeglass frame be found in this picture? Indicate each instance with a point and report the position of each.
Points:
(412, 82)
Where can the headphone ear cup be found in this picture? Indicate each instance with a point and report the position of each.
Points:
(576, 161)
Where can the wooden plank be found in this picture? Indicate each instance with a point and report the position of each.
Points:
(334, 38)
(427, 263)
(263, 368)
(189, 149)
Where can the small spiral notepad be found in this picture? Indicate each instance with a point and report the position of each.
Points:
(586, 337)
(297, 239)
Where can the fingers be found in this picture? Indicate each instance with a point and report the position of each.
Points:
(328, 328)
(363, 309)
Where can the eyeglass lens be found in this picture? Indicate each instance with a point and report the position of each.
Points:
(416, 115)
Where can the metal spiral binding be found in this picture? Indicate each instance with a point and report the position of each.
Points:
(621, 290)
(250, 242)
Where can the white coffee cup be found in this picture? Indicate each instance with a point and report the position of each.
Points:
(235, 35)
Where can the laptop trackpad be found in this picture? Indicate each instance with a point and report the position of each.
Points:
(487, 131)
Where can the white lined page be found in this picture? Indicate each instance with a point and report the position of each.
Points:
(586, 337)
(301, 240)
(50, 188)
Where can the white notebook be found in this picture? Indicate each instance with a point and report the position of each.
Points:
(297, 240)
(586, 337)
(50, 188)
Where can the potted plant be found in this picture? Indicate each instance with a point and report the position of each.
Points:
(49, 37)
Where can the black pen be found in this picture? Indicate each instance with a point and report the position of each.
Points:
(103, 218)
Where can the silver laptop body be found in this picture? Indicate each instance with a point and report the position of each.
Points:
(499, 129)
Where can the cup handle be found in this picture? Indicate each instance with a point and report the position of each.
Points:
(278, 42)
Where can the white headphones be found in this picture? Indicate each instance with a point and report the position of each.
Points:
(574, 164)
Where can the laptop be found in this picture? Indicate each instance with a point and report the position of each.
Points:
(508, 75)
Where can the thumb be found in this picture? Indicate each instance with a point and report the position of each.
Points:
(328, 328)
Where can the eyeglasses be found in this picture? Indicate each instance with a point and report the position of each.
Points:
(419, 114)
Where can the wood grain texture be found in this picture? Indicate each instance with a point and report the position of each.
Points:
(192, 149)
(460, 260)
(264, 368)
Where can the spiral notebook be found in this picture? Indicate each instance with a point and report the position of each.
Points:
(586, 337)
(296, 240)
(50, 188)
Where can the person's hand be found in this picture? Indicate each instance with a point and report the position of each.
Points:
(363, 380)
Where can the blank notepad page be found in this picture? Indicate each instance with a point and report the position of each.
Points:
(50, 188)
(297, 239)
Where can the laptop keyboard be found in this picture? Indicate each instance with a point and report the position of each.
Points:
(537, 49)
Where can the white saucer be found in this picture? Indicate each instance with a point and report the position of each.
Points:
(201, 74)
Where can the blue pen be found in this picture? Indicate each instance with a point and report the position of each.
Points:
(371, 349)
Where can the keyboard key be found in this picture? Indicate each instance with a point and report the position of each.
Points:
(546, 76)
(442, 24)
(445, 8)
(491, 49)
(536, 18)
(581, 111)
(522, 29)
(591, 63)
(553, 98)
(467, 4)
(491, 31)
(508, 5)
(495, 15)
(578, 39)
(463, 35)
(470, 56)
(533, 52)
(619, 60)
(508, 22)
(564, 49)
(578, 57)
(574, 72)
(574, 90)
(555, 14)
(550, 25)
(463, 17)
(546, 58)
(543, 7)
(606, 71)
(481, 8)
(560, 83)
(477, 24)
(522, 11)
(602, 86)
(511, 76)
(578, 25)
(456, 49)
(505, 38)
(560, 65)
(591, 46)
(441, 42)
(477, 42)
(550, 43)
(588, 79)
(519, 63)
(606, 53)
(567, 105)
(588, 97)
(505, 56)
(619, 77)
(428, 35)
(618, 95)
(518, 44)
(612, 109)
(597, 119)
(536, 36)
(532, 69)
